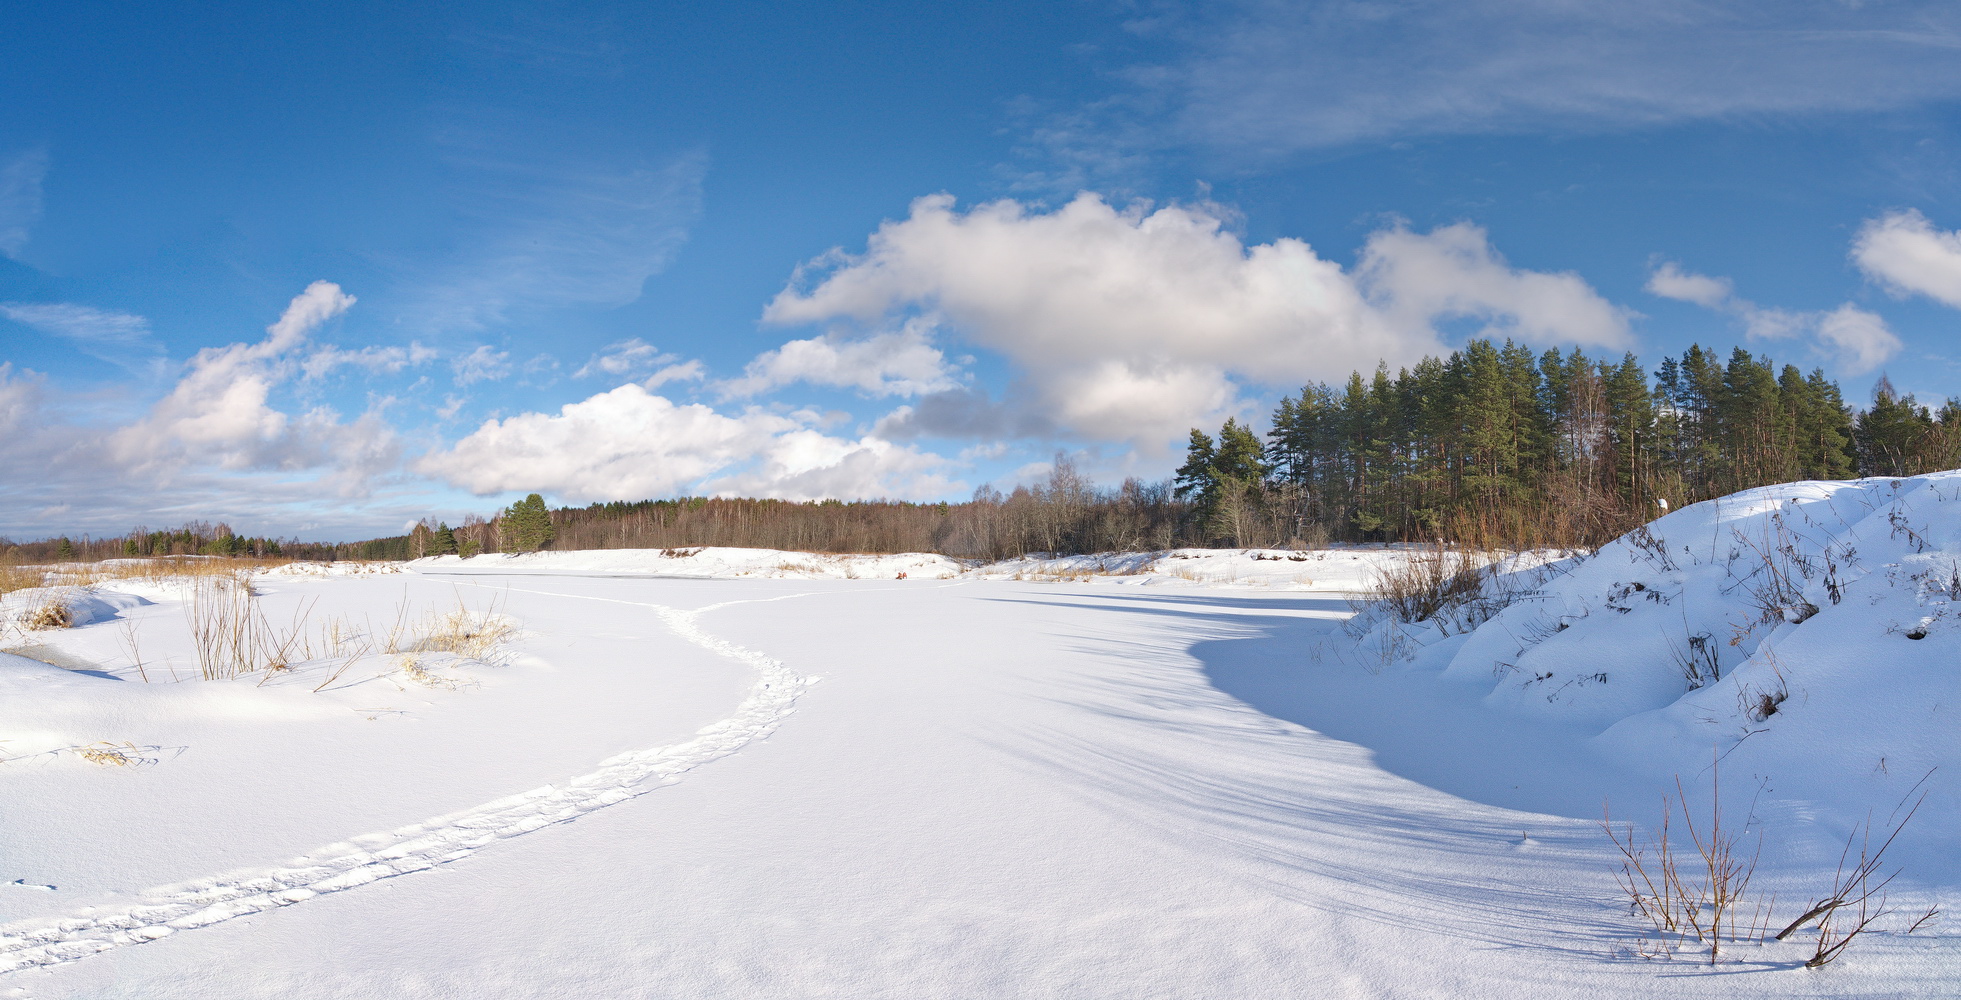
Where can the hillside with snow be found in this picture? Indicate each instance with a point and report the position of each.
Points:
(1807, 633)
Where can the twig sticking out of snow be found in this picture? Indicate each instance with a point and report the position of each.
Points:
(1859, 892)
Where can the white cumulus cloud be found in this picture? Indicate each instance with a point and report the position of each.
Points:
(1132, 324)
(1904, 252)
(809, 465)
(20, 396)
(628, 443)
(1855, 340)
(634, 357)
(1859, 339)
(220, 412)
(1453, 271)
(1671, 282)
(686, 371)
(900, 362)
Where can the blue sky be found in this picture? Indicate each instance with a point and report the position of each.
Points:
(322, 271)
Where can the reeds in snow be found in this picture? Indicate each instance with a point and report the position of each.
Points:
(231, 632)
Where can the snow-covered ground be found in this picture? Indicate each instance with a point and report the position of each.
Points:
(1340, 569)
(733, 773)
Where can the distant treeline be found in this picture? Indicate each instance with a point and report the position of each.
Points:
(197, 538)
(1493, 446)
(1064, 513)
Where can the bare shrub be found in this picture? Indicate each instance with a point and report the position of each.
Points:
(1458, 589)
(1432, 581)
(1696, 657)
(223, 616)
(1778, 575)
(1701, 903)
(347, 648)
(1858, 895)
(129, 641)
(1701, 899)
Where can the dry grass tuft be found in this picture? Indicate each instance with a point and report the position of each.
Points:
(165, 568)
(413, 668)
(109, 754)
(471, 634)
(52, 613)
(232, 634)
(16, 577)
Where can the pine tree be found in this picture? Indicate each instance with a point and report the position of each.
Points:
(529, 524)
(1239, 474)
(1890, 433)
(445, 539)
(1240, 454)
(1632, 433)
(1195, 479)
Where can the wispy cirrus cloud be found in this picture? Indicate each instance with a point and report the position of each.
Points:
(123, 339)
(1257, 79)
(542, 236)
(484, 364)
(20, 198)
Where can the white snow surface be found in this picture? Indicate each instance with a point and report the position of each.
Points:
(1339, 569)
(737, 773)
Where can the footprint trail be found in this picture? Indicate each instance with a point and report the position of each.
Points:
(166, 910)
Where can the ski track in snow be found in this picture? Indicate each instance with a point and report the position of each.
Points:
(165, 910)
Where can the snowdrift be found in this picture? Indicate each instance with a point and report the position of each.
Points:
(1809, 633)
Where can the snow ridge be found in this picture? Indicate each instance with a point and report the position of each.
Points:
(165, 910)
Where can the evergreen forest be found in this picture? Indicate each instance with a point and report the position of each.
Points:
(1497, 445)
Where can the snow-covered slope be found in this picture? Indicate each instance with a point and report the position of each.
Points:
(1810, 633)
